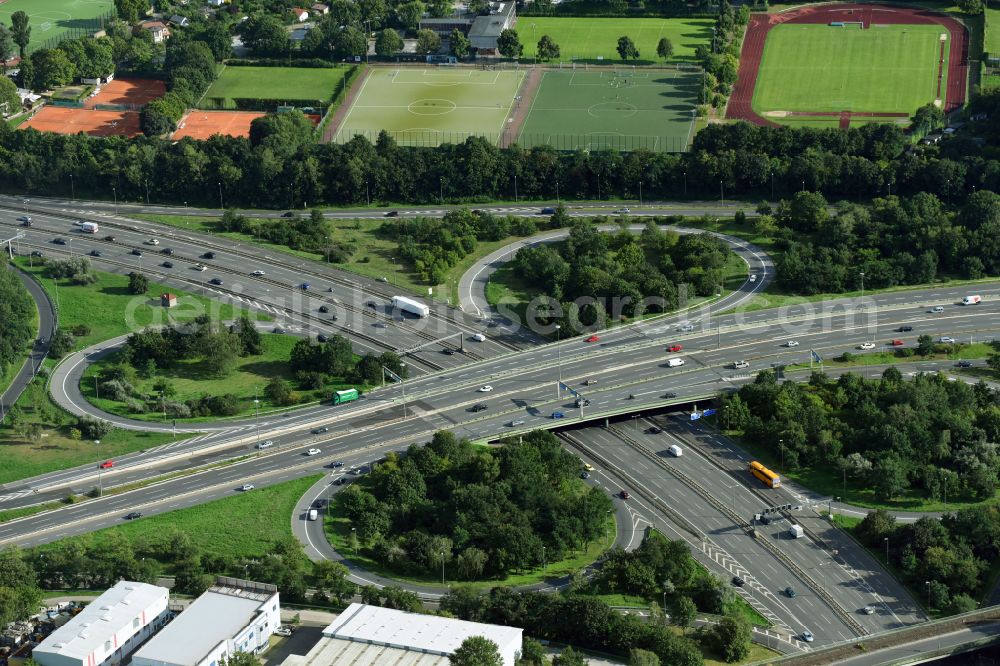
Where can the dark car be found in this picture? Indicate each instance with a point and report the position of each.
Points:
(216, 280)
(278, 330)
(669, 395)
(548, 211)
(324, 309)
(448, 351)
(110, 239)
(208, 255)
(623, 494)
(371, 304)
(765, 519)
(304, 286)
(59, 241)
(137, 252)
(288, 214)
(320, 430)
(964, 364)
(95, 253)
(167, 264)
(36, 253)
(392, 213)
(790, 592)
(133, 515)
(654, 430)
(585, 474)
(478, 407)
(904, 329)
(322, 337)
(337, 464)
(738, 581)
(167, 251)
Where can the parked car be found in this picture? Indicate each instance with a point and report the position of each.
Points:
(282, 631)
(738, 581)
(584, 474)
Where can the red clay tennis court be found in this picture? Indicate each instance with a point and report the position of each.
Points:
(138, 92)
(62, 120)
(205, 124)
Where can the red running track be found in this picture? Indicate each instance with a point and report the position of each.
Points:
(761, 24)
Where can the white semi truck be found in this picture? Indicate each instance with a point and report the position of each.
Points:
(409, 305)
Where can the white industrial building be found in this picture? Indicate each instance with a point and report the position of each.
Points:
(232, 616)
(110, 628)
(368, 635)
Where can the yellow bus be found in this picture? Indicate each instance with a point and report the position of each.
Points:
(770, 479)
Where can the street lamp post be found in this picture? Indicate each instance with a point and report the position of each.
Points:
(515, 188)
(544, 562)
(256, 417)
(558, 362)
(829, 506)
(442, 567)
(441, 190)
(147, 192)
(100, 470)
(354, 538)
(781, 445)
(221, 207)
(114, 191)
(72, 188)
(402, 384)
(886, 540)
(722, 194)
(927, 585)
(685, 183)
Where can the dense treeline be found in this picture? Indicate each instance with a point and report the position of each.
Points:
(486, 512)
(17, 311)
(929, 436)
(614, 273)
(946, 561)
(721, 59)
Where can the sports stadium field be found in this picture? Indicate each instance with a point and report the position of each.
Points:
(625, 110)
(53, 20)
(425, 107)
(273, 83)
(812, 68)
(591, 39)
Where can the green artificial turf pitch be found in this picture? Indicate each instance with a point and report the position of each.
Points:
(590, 38)
(426, 107)
(276, 83)
(55, 20)
(588, 110)
(882, 69)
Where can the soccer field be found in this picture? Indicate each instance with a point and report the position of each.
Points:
(426, 107)
(589, 39)
(274, 83)
(820, 68)
(587, 110)
(54, 20)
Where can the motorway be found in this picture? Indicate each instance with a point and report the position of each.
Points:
(626, 371)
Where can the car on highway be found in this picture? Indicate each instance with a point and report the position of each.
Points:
(584, 474)
(623, 494)
(257, 273)
(478, 407)
(25, 220)
(807, 636)
(485, 389)
(896, 343)
(589, 382)
(866, 345)
(110, 239)
(946, 340)
(304, 286)
(266, 444)
(790, 592)
(372, 304)
(548, 211)
(217, 281)
(167, 251)
(337, 464)
(868, 610)
(152, 241)
(208, 255)
(246, 487)
(557, 415)
(792, 343)
(107, 464)
(313, 452)
(753, 278)
(167, 264)
(36, 253)
(392, 213)
(324, 308)
(587, 466)
(654, 430)
(448, 351)
(964, 364)
(937, 309)
(95, 253)
(288, 213)
(137, 252)
(904, 329)
(741, 365)
(685, 328)
(59, 241)
(675, 348)
(320, 430)
(623, 211)
(322, 337)
(278, 330)
(593, 338)
(515, 423)
(738, 581)
(478, 337)
(669, 395)
(133, 515)
(201, 267)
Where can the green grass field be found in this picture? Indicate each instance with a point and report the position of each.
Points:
(277, 83)
(427, 107)
(55, 20)
(991, 39)
(585, 110)
(818, 68)
(592, 39)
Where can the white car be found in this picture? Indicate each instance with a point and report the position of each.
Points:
(515, 423)
(201, 267)
(485, 389)
(313, 452)
(741, 365)
(753, 278)
(792, 343)
(257, 272)
(936, 309)
(807, 636)
(868, 610)
(479, 337)
(246, 486)
(623, 211)
(946, 340)
(686, 327)
(282, 631)
(866, 345)
(152, 241)
(266, 444)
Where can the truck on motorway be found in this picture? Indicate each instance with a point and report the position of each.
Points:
(675, 362)
(796, 532)
(409, 305)
(89, 227)
(972, 300)
(769, 478)
(348, 395)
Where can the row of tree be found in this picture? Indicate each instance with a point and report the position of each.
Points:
(928, 435)
(17, 313)
(483, 512)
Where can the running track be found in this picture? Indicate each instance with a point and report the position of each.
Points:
(760, 24)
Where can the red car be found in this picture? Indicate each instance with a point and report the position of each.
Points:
(107, 464)
(674, 348)
(624, 494)
(896, 343)
(593, 338)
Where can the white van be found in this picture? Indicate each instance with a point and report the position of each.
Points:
(479, 337)
(675, 451)
(675, 362)
(972, 300)
(313, 514)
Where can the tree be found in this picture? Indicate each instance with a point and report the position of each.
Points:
(458, 43)
(6, 46)
(971, 7)
(476, 651)
(637, 657)
(509, 44)
(547, 49)
(137, 283)
(20, 31)
(240, 659)
(279, 392)
(428, 42)
(221, 352)
(925, 345)
(664, 48)
(350, 42)
(626, 48)
(130, 10)
(10, 101)
(532, 653)
(52, 68)
(684, 612)
(388, 42)
(732, 638)
(569, 657)
(250, 339)
(264, 34)
(61, 344)
(408, 14)
(927, 118)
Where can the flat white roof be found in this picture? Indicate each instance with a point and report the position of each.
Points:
(104, 617)
(423, 633)
(331, 651)
(210, 619)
